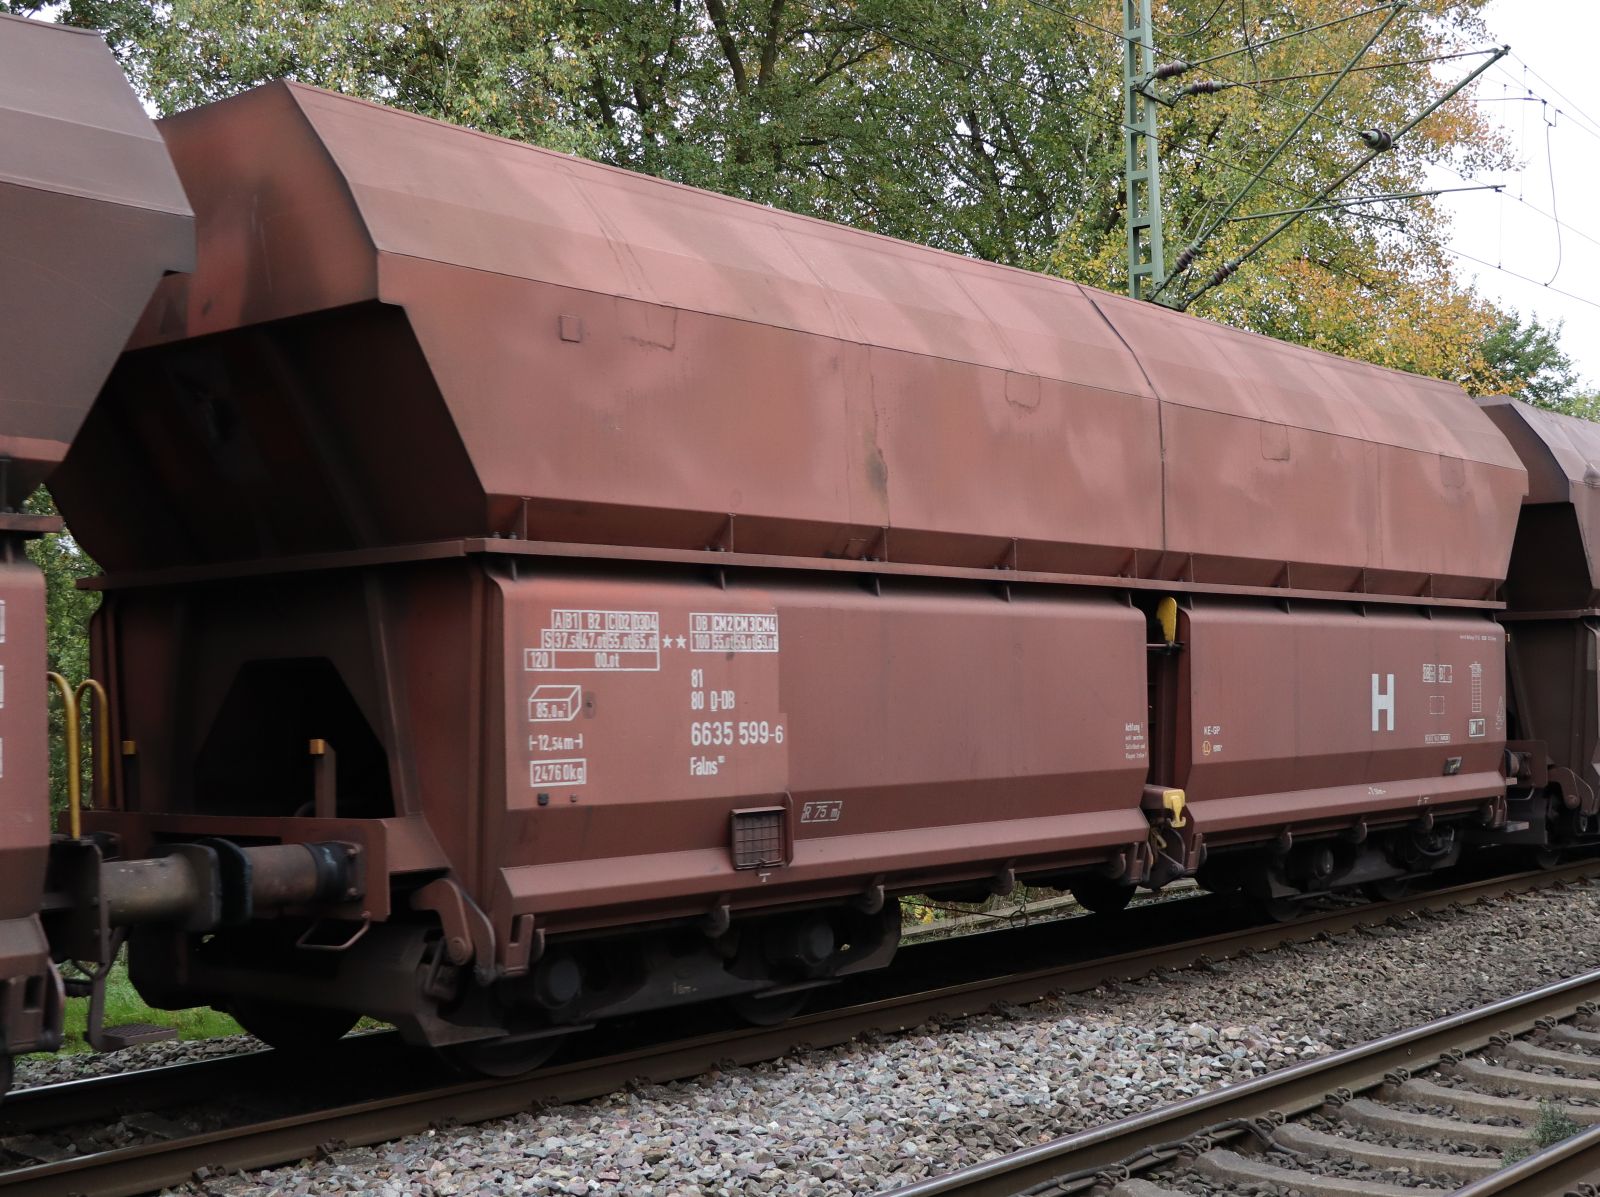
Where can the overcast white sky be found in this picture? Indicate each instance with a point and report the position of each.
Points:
(1558, 39)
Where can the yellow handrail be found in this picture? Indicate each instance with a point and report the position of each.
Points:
(100, 712)
(74, 740)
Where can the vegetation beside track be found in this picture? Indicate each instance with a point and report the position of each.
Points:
(123, 1005)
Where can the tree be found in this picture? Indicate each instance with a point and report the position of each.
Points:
(67, 614)
(1527, 357)
(987, 127)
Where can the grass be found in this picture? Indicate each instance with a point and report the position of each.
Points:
(1551, 1127)
(123, 1006)
(919, 910)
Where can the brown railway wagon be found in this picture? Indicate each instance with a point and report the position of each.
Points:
(91, 216)
(575, 352)
(1553, 618)
(633, 558)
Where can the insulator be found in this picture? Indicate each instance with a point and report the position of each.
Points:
(1220, 277)
(1184, 259)
(1206, 87)
(1378, 139)
(1169, 69)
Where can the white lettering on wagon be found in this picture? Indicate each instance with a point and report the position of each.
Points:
(583, 641)
(1383, 700)
(554, 704)
(1133, 742)
(545, 742)
(573, 771)
(732, 632)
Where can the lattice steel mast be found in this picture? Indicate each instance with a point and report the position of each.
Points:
(1142, 158)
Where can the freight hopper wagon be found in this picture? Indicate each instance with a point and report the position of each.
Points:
(91, 215)
(1553, 625)
(624, 592)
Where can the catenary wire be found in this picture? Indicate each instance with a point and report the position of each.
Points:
(1593, 121)
(1461, 253)
(1167, 144)
(1564, 225)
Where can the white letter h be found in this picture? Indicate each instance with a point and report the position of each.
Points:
(1383, 702)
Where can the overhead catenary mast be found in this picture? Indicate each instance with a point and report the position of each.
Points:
(1147, 272)
(1142, 158)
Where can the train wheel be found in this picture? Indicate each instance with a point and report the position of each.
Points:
(499, 1058)
(761, 1011)
(1099, 896)
(297, 1029)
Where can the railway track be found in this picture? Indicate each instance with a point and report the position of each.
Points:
(258, 1111)
(1453, 1106)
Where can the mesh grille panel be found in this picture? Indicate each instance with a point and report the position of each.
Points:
(758, 837)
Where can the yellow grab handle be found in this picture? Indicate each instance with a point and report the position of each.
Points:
(101, 711)
(74, 738)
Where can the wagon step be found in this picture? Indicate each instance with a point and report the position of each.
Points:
(131, 1034)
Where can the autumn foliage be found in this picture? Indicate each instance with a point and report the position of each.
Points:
(987, 127)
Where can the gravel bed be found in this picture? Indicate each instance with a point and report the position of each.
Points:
(1540, 1038)
(1511, 1064)
(884, 1111)
(1365, 1134)
(1201, 1185)
(1455, 1115)
(1204, 1186)
(1317, 1165)
(51, 1069)
(1449, 1080)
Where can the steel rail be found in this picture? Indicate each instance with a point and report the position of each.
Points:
(143, 1168)
(1299, 1089)
(1556, 1171)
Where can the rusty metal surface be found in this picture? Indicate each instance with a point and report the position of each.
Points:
(912, 733)
(596, 356)
(1274, 452)
(705, 558)
(1552, 593)
(1558, 702)
(573, 737)
(24, 805)
(91, 215)
(1325, 714)
(24, 753)
(406, 343)
(917, 732)
(145, 1168)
